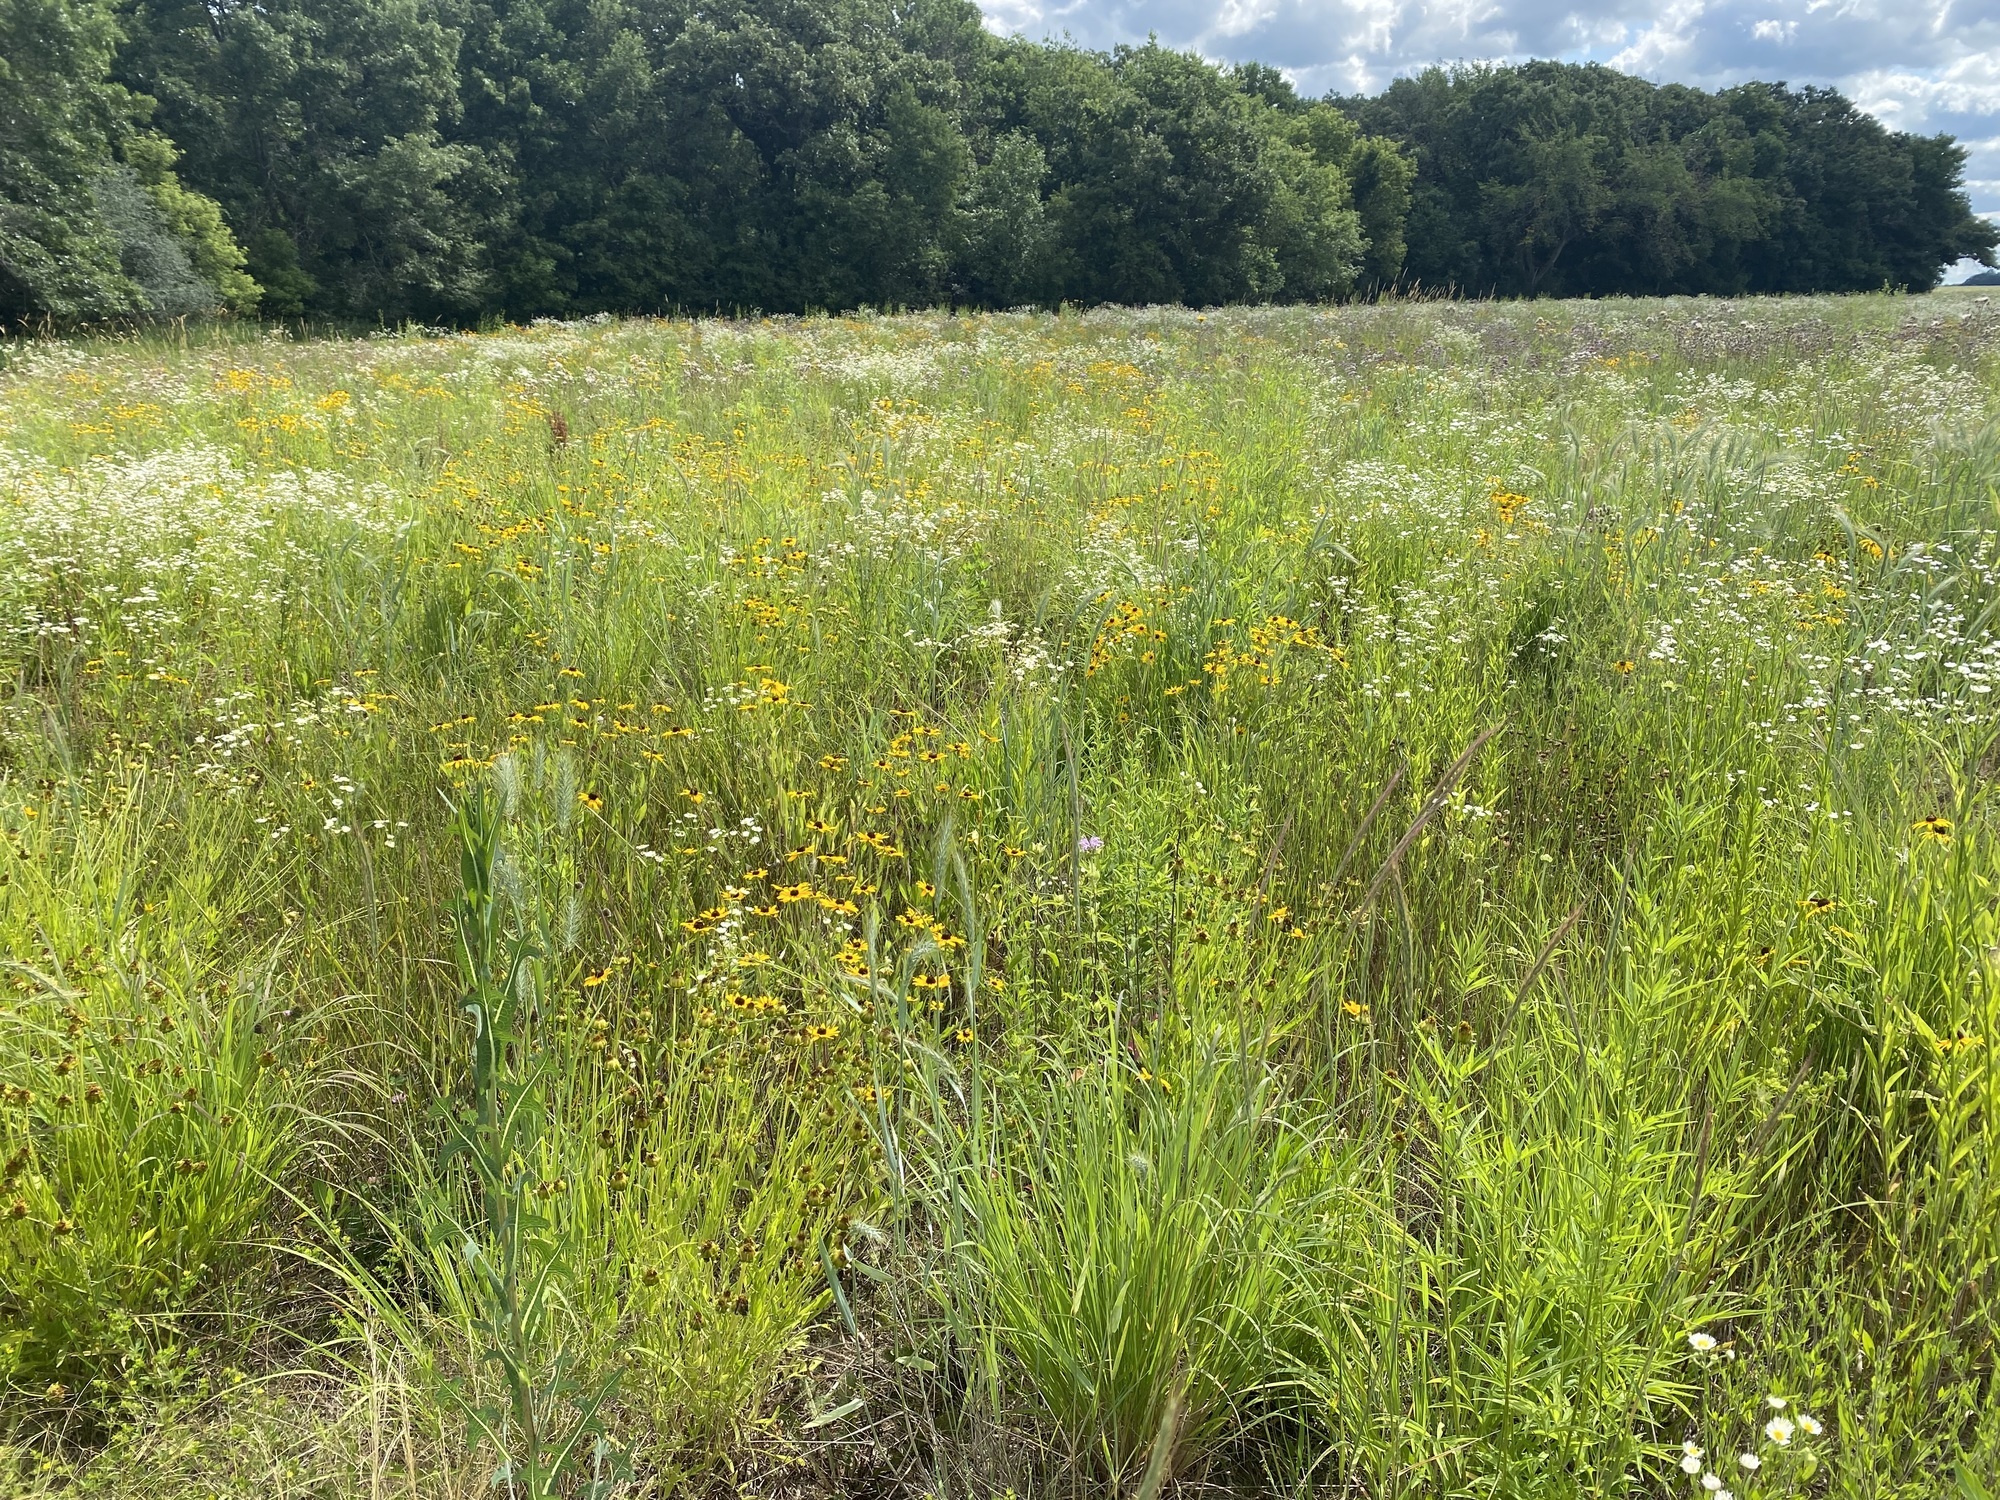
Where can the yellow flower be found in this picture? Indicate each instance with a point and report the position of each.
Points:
(1933, 828)
(591, 800)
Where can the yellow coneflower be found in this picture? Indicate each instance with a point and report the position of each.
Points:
(1622, 666)
(591, 800)
(1933, 828)
(596, 977)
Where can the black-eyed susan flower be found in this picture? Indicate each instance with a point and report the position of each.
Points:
(1933, 829)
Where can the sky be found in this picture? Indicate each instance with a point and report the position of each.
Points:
(1928, 66)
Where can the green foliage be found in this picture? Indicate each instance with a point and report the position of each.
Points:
(1389, 899)
(386, 161)
(93, 221)
(1123, 1254)
(143, 1124)
(59, 118)
(194, 224)
(1575, 180)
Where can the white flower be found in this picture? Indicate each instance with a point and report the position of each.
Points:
(1701, 1343)
(1778, 1430)
(1711, 1482)
(1691, 1448)
(1776, 1403)
(1691, 1463)
(1724, 1495)
(1809, 1425)
(1750, 1461)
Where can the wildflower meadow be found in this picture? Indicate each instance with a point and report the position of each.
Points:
(1388, 901)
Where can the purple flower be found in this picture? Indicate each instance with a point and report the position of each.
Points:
(1090, 843)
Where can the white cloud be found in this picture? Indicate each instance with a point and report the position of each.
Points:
(1668, 39)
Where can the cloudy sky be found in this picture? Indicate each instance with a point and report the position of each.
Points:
(1925, 65)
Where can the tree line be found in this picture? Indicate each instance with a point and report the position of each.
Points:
(451, 161)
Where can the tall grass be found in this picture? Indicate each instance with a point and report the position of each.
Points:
(1390, 902)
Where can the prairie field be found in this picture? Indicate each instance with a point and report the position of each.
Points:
(1389, 901)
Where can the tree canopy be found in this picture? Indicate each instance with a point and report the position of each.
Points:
(1576, 180)
(456, 160)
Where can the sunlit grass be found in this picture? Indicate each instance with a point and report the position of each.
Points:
(1387, 901)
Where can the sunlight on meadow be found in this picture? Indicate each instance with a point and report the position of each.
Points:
(1386, 901)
